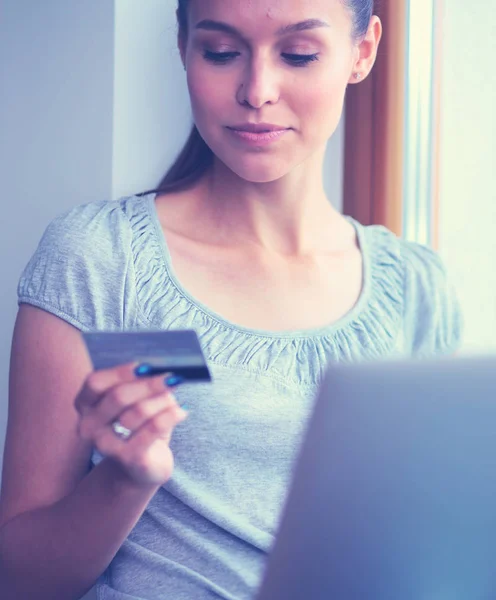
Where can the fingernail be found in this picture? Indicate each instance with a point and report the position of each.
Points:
(173, 380)
(143, 369)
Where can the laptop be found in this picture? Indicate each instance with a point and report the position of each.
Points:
(394, 490)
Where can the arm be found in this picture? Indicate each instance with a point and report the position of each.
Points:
(59, 526)
(60, 550)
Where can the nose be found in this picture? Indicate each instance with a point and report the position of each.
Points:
(259, 85)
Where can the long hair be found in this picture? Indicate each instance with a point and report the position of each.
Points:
(196, 157)
(191, 163)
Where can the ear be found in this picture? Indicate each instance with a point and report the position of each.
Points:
(366, 51)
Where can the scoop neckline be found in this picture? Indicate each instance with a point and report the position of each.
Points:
(315, 332)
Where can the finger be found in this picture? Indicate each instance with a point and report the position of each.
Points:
(140, 412)
(99, 382)
(123, 396)
(159, 427)
(128, 450)
(93, 423)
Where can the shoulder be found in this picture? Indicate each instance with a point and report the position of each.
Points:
(416, 261)
(86, 225)
(429, 286)
(423, 266)
(82, 255)
(432, 316)
(422, 270)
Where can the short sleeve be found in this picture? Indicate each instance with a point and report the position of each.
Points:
(81, 268)
(433, 317)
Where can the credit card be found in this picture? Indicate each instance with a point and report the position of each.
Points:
(175, 351)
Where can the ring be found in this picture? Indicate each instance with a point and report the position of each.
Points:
(120, 431)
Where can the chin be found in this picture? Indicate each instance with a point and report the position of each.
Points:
(259, 175)
(258, 168)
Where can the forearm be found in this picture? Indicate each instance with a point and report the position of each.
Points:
(60, 551)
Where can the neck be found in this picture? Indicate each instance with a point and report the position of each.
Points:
(289, 216)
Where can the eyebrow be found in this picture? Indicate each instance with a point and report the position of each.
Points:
(210, 25)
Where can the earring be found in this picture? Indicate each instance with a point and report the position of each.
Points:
(358, 76)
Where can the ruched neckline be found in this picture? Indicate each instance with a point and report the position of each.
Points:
(368, 331)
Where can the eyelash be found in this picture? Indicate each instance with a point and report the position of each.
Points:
(297, 60)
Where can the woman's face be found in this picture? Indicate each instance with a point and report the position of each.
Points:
(243, 68)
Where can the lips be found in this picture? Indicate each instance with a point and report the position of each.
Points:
(258, 138)
(257, 127)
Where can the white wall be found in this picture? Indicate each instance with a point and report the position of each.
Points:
(468, 182)
(151, 116)
(56, 102)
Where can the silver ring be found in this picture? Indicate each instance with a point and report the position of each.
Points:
(120, 431)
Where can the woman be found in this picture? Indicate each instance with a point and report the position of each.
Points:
(104, 477)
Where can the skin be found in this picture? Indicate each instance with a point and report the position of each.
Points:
(257, 238)
(271, 196)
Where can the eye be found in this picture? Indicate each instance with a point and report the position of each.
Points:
(300, 60)
(219, 57)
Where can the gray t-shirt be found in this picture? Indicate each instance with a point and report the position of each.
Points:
(207, 532)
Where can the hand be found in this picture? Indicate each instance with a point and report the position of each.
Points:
(146, 406)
